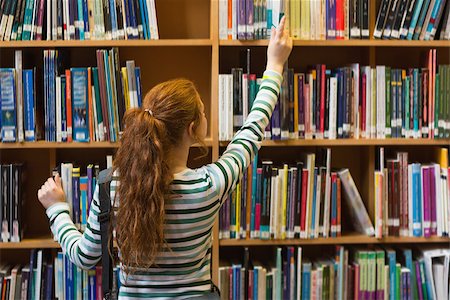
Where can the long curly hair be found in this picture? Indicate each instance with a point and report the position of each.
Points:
(149, 134)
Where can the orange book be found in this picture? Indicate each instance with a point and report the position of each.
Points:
(69, 105)
(91, 111)
(230, 19)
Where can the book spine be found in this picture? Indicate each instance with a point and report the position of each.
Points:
(8, 105)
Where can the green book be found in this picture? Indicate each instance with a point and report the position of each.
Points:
(372, 273)
(388, 129)
(362, 259)
(437, 104)
(380, 272)
(423, 279)
(398, 280)
(406, 90)
(447, 102)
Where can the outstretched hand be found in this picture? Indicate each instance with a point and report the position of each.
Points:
(280, 46)
(51, 192)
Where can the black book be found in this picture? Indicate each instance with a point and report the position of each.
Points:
(16, 207)
(12, 14)
(317, 99)
(238, 118)
(284, 105)
(291, 103)
(298, 199)
(32, 266)
(140, 27)
(409, 13)
(390, 19)
(400, 103)
(19, 9)
(348, 102)
(364, 26)
(419, 94)
(48, 282)
(247, 266)
(322, 172)
(400, 18)
(340, 102)
(24, 282)
(381, 18)
(444, 22)
(355, 8)
(6, 184)
(120, 26)
(107, 20)
(59, 25)
(4, 18)
(393, 103)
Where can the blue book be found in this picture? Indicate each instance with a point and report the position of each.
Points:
(434, 13)
(113, 13)
(109, 97)
(416, 200)
(144, 17)
(60, 257)
(49, 282)
(31, 278)
(117, 271)
(255, 283)
(137, 71)
(46, 104)
(63, 109)
(407, 253)
(86, 20)
(76, 195)
(8, 105)
(416, 100)
(80, 22)
(306, 281)
(52, 94)
(133, 19)
(276, 125)
(80, 104)
(392, 273)
(84, 201)
(29, 105)
(127, 27)
(90, 186)
(68, 267)
(421, 20)
(92, 288)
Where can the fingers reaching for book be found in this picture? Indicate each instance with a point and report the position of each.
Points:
(51, 192)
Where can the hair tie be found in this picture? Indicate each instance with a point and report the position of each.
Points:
(149, 111)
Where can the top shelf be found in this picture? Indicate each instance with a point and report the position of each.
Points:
(106, 43)
(342, 43)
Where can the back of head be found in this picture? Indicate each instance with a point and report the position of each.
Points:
(149, 134)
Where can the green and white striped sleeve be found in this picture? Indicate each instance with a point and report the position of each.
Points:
(227, 171)
(83, 249)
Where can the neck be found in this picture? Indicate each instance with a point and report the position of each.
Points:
(178, 157)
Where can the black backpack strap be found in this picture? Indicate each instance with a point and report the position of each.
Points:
(104, 183)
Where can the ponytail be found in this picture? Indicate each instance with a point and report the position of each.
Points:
(144, 174)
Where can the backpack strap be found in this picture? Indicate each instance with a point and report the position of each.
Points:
(104, 182)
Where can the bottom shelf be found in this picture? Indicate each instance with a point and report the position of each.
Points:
(342, 240)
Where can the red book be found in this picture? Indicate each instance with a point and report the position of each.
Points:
(322, 99)
(69, 105)
(98, 286)
(340, 19)
(40, 20)
(404, 186)
(338, 206)
(103, 96)
(230, 19)
(304, 200)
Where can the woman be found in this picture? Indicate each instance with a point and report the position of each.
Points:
(166, 211)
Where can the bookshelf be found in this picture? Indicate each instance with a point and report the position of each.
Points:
(189, 47)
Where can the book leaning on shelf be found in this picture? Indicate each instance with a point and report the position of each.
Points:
(28, 20)
(53, 278)
(348, 102)
(79, 104)
(352, 273)
(413, 20)
(11, 201)
(307, 20)
(299, 201)
(412, 199)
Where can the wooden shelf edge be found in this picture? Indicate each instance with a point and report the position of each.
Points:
(74, 145)
(352, 142)
(342, 43)
(352, 239)
(104, 43)
(32, 243)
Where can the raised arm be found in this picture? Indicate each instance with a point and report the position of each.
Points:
(83, 249)
(227, 171)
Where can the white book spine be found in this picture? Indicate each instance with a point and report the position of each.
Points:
(223, 19)
(65, 19)
(154, 22)
(49, 19)
(439, 198)
(222, 112)
(444, 188)
(368, 105)
(58, 110)
(245, 96)
(94, 112)
(317, 210)
(333, 107)
(19, 95)
(9, 27)
(410, 201)
(234, 20)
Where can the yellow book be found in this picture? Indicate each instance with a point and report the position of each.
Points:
(305, 20)
(310, 163)
(125, 87)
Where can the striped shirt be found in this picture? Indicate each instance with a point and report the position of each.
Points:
(184, 270)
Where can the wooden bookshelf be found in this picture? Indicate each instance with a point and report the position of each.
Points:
(354, 239)
(342, 43)
(351, 142)
(190, 47)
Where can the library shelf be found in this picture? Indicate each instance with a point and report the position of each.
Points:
(352, 142)
(38, 242)
(342, 43)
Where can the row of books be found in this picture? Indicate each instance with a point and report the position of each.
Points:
(412, 199)
(353, 273)
(300, 201)
(79, 104)
(307, 20)
(47, 278)
(77, 20)
(11, 178)
(349, 102)
(413, 20)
